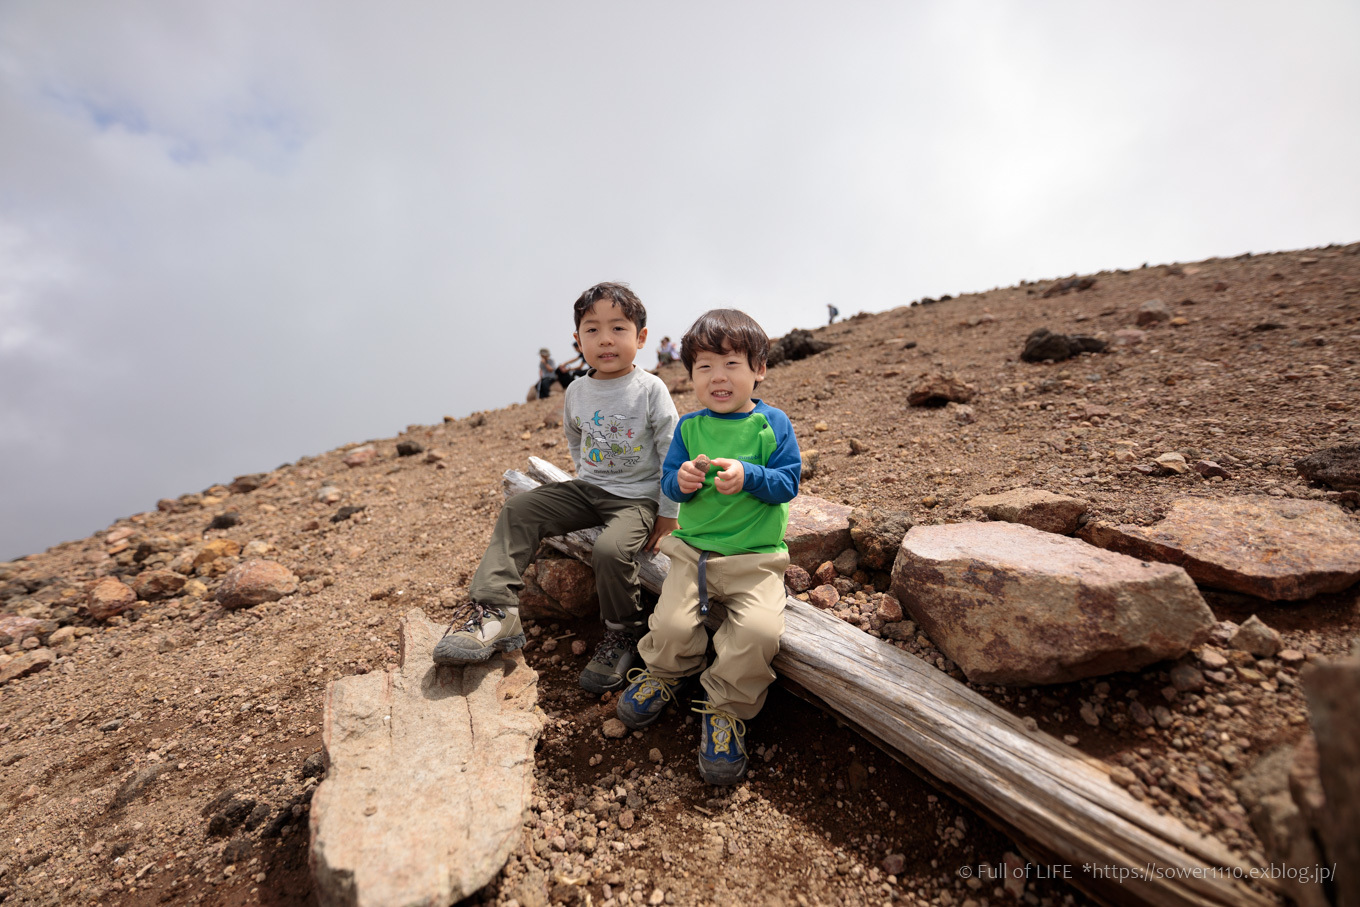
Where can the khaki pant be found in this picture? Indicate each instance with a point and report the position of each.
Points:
(530, 517)
(752, 588)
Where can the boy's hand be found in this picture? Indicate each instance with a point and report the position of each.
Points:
(731, 477)
(664, 526)
(690, 477)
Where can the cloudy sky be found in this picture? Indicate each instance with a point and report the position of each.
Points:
(232, 234)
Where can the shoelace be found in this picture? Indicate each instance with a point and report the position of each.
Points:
(724, 728)
(649, 685)
(478, 612)
(611, 646)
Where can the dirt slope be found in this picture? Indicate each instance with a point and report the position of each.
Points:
(168, 755)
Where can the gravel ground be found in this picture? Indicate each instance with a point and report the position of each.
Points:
(169, 754)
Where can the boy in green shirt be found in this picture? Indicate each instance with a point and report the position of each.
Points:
(733, 466)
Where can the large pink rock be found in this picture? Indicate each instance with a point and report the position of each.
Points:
(818, 531)
(254, 582)
(1013, 604)
(1275, 548)
(361, 456)
(109, 597)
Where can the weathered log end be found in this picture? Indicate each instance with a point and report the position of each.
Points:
(430, 770)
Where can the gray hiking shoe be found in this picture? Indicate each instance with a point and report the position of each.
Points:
(489, 629)
(608, 668)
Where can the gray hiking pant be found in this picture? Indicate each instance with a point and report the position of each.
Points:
(530, 517)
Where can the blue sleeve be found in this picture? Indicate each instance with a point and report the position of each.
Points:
(670, 468)
(777, 481)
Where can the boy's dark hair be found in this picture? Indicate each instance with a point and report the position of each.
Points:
(617, 293)
(720, 330)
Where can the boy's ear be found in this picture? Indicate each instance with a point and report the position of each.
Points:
(576, 335)
(642, 338)
(760, 373)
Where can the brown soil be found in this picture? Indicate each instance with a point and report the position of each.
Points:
(227, 704)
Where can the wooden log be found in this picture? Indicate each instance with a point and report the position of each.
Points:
(1051, 798)
(429, 773)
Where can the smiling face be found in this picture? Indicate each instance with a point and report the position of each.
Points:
(724, 381)
(609, 340)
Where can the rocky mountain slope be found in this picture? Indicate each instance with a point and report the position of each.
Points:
(158, 747)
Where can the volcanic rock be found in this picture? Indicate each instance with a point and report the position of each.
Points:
(1338, 467)
(1274, 548)
(1044, 344)
(1256, 638)
(1333, 689)
(1154, 311)
(157, 584)
(556, 588)
(26, 663)
(1013, 604)
(109, 597)
(1033, 507)
(361, 456)
(818, 531)
(936, 390)
(253, 582)
(877, 535)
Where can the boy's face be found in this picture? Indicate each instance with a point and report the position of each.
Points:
(725, 381)
(609, 340)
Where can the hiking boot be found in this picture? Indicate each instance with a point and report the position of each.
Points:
(647, 697)
(608, 668)
(489, 629)
(722, 746)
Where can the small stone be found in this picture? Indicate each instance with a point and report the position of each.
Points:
(1139, 714)
(1209, 469)
(109, 597)
(1162, 715)
(361, 456)
(1088, 714)
(1122, 776)
(889, 609)
(1256, 638)
(615, 729)
(1212, 659)
(254, 582)
(654, 754)
(824, 597)
(796, 579)
(658, 898)
(847, 562)
(1173, 463)
(1291, 657)
(1154, 311)
(825, 573)
(894, 863)
(578, 647)
(626, 818)
(408, 448)
(1187, 679)
(821, 426)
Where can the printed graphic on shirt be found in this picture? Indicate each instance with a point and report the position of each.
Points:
(607, 441)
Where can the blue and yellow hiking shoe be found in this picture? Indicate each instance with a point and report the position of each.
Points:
(646, 697)
(722, 746)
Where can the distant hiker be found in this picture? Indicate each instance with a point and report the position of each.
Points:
(547, 373)
(667, 352)
(572, 369)
(831, 313)
(734, 467)
(618, 420)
